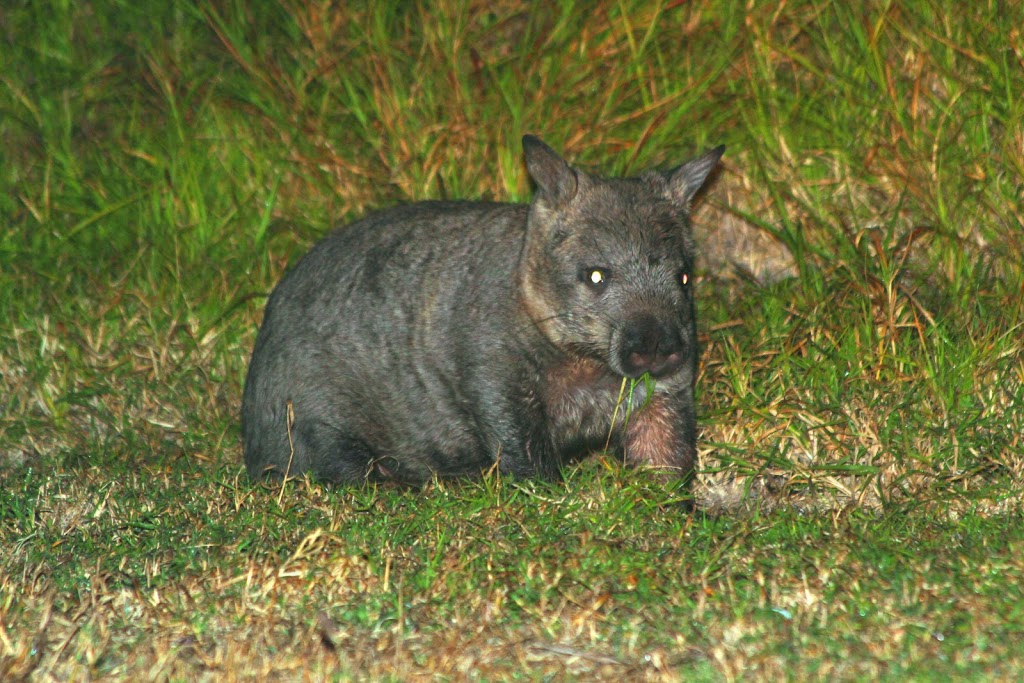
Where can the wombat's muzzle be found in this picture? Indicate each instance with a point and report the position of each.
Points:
(647, 345)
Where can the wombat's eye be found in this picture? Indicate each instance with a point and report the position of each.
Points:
(596, 278)
(684, 279)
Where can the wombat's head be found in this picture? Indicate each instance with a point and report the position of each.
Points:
(606, 270)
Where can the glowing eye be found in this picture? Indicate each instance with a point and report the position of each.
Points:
(685, 279)
(595, 278)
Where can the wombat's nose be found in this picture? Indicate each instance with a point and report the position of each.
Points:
(650, 346)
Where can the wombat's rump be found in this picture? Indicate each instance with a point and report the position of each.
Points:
(437, 338)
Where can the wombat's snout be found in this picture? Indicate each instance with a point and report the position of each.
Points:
(649, 345)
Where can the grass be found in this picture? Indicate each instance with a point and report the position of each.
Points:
(859, 503)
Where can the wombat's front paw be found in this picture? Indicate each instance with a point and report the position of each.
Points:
(655, 440)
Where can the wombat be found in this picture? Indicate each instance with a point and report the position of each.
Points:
(441, 339)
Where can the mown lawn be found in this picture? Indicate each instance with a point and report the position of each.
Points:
(858, 511)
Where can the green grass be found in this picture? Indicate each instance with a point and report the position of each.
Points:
(858, 510)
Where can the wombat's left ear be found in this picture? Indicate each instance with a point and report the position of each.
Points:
(684, 182)
(554, 178)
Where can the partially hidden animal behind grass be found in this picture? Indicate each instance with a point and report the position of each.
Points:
(442, 339)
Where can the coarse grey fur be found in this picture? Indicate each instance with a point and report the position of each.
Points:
(439, 338)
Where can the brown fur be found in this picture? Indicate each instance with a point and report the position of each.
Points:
(652, 439)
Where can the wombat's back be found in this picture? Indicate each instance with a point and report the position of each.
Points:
(366, 337)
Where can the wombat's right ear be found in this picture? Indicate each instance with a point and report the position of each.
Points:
(555, 179)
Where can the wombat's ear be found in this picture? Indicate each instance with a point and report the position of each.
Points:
(684, 182)
(554, 178)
